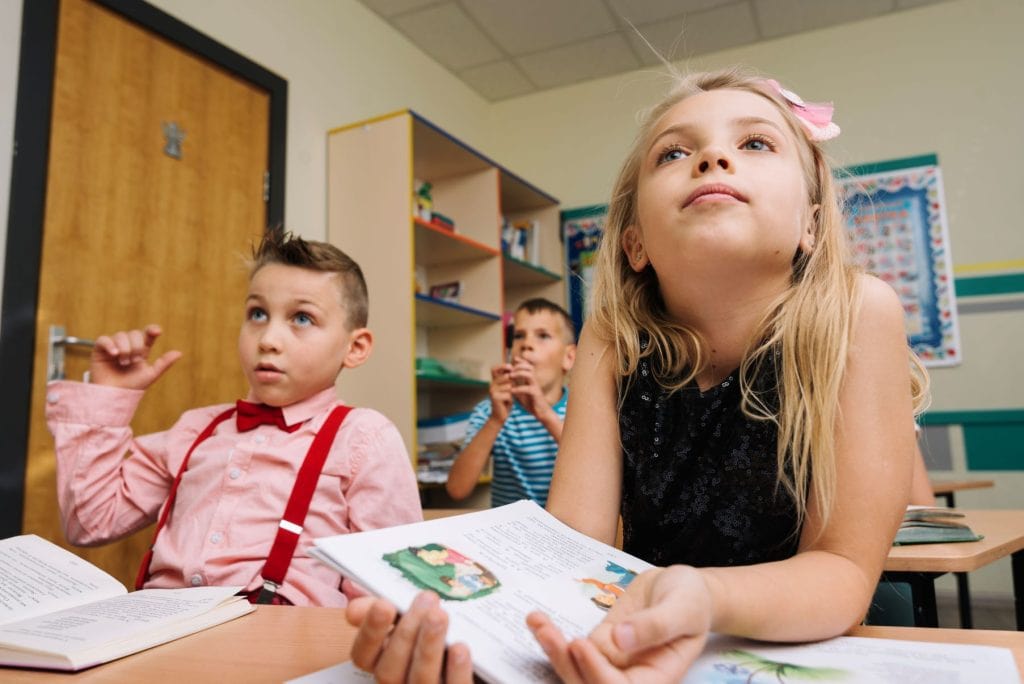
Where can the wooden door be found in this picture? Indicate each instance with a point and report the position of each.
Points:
(133, 234)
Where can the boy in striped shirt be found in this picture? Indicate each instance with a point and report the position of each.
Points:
(521, 423)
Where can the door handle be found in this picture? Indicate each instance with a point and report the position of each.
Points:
(59, 339)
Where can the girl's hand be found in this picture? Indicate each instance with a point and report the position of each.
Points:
(120, 359)
(411, 650)
(653, 633)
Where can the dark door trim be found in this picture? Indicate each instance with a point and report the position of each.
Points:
(28, 199)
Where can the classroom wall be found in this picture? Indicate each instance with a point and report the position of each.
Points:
(938, 79)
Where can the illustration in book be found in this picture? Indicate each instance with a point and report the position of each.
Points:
(743, 667)
(444, 570)
(608, 585)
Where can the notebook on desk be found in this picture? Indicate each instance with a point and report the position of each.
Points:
(932, 525)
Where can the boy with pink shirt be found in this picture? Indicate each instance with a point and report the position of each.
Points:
(219, 481)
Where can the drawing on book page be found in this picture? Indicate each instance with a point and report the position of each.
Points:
(444, 570)
(604, 586)
(743, 667)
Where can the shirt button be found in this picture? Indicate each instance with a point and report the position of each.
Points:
(52, 397)
(216, 537)
(196, 580)
(259, 439)
(235, 473)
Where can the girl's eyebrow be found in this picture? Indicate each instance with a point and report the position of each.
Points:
(684, 128)
(754, 120)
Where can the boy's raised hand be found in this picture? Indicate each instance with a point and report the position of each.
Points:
(525, 388)
(121, 359)
(501, 391)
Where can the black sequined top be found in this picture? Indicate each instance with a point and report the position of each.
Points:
(699, 476)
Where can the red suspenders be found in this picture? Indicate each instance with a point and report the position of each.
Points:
(290, 527)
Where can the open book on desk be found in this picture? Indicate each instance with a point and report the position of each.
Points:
(932, 525)
(491, 568)
(60, 612)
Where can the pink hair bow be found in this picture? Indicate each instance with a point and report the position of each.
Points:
(816, 117)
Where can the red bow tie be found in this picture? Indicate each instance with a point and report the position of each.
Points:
(251, 415)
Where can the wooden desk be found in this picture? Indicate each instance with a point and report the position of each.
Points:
(920, 564)
(946, 488)
(277, 643)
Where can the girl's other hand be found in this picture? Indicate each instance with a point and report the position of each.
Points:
(411, 650)
(121, 359)
(654, 632)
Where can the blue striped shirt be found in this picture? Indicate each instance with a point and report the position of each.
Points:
(524, 453)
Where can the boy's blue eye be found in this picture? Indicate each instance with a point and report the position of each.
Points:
(303, 319)
(256, 314)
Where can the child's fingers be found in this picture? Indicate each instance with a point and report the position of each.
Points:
(459, 667)
(393, 664)
(428, 654)
(106, 345)
(555, 647)
(500, 371)
(152, 332)
(165, 362)
(121, 349)
(592, 665)
(375, 619)
(139, 348)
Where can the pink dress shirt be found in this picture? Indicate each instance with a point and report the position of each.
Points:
(234, 492)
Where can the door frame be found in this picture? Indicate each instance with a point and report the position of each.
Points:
(28, 199)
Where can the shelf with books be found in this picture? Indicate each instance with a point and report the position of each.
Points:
(533, 258)
(387, 177)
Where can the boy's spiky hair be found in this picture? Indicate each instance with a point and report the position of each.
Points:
(280, 247)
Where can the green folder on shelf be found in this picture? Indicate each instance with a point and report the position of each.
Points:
(923, 525)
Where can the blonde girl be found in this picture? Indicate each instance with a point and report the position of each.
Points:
(743, 394)
(742, 397)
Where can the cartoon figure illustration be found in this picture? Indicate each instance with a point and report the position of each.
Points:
(611, 588)
(443, 570)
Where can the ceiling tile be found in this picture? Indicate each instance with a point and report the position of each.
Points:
(695, 34)
(497, 80)
(649, 11)
(390, 8)
(579, 62)
(445, 33)
(783, 17)
(907, 4)
(524, 26)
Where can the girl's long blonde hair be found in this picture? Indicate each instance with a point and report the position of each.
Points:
(805, 333)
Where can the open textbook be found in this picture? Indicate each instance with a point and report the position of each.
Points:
(59, 612)
(493, 567)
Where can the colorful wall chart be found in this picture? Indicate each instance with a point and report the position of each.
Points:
(582, 229)
(896, 220)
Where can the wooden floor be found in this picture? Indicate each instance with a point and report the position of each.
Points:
(987, 613)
